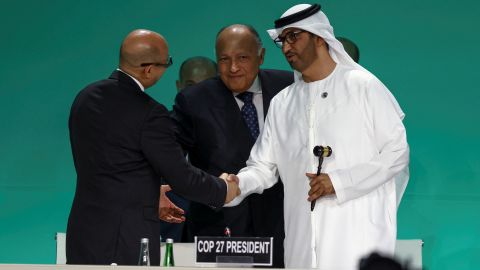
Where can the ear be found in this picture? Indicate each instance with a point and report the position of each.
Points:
(179, 85)
(147, 71)
(262, 55)
(319, 41)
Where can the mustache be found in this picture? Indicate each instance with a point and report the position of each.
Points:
(289, 54)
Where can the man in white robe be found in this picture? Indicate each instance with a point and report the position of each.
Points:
(335, 103)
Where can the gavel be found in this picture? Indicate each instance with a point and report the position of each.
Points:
(320, 152)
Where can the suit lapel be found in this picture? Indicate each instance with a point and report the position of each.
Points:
(267, 94)
(226, 113)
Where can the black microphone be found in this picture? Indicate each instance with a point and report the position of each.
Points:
(320, 152)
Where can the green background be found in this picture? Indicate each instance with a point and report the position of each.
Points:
(426, 52)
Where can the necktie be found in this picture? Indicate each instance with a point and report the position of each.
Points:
(249, 113)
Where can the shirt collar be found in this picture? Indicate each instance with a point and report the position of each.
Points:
(255, 88)
(133, 78)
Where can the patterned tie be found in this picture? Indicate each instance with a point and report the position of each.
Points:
(249, 113)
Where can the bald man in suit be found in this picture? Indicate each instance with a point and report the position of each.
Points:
(123, 143)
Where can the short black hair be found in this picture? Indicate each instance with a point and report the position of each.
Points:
(355, 54)
(196, 59)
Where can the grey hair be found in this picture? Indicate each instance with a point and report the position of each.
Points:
(251, 29)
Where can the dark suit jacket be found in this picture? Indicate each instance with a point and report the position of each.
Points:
(212, 130)
(122, 143)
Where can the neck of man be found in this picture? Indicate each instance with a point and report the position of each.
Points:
(320, 68)
(134, 73)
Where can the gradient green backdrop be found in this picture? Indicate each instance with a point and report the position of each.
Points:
(426, 52)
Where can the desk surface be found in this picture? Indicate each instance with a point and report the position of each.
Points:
(89, 267)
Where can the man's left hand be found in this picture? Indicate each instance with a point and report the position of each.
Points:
(167, 210)
(320, 185)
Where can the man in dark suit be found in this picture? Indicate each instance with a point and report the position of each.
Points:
(123, 143)
(192, 71)
(211, 125)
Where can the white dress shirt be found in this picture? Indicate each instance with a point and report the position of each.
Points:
(256, 89)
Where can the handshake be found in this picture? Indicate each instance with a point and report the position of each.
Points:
(169, 212)
(232, 182)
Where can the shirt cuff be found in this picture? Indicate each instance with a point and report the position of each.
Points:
(226, 183)
(337, 185)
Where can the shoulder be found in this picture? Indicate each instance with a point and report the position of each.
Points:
(355, 82)
(277, 72)
(284, 94)
(117, 84)
(281, 76)
(274, 81)
(201, 95)
(355, 76)
(104, 83)
(370, 90)
(95, 89)
(206, 87)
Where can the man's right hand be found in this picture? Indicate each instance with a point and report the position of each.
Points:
(168, 211)
(232, 186)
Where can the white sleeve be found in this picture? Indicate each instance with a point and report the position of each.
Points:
(391, 162)
(261, 171)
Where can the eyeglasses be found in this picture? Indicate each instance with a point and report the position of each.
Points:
(166, 65)
(290, 37)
